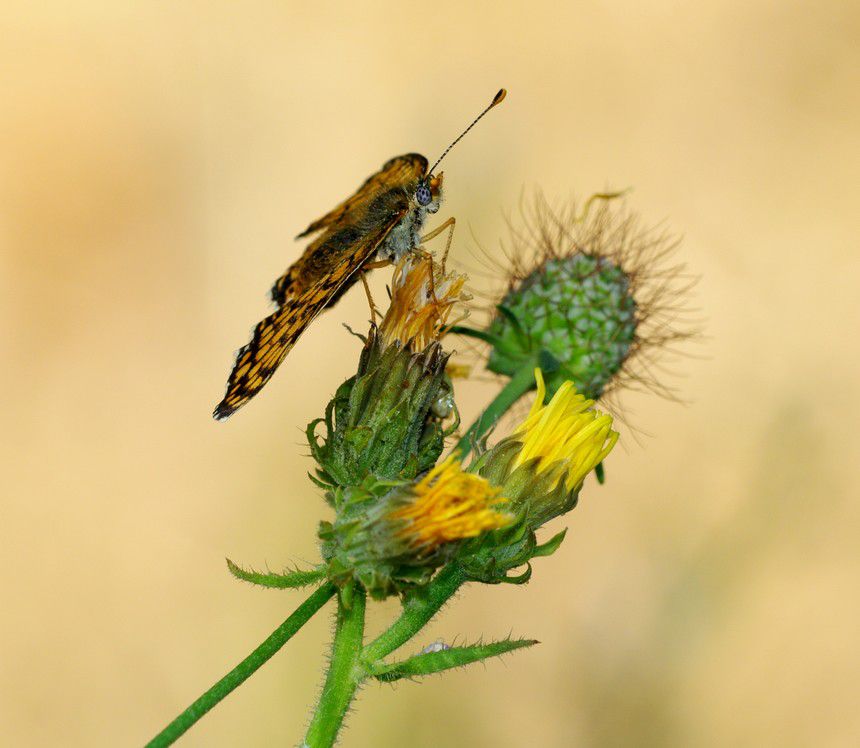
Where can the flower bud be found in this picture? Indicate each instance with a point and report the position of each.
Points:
(379, 422)
(580, 309)
(590, 296)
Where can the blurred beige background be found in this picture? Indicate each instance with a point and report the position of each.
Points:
(156, 160)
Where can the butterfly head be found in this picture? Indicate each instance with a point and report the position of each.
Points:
(428, 194)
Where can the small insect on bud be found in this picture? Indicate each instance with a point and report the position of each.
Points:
(438, 646)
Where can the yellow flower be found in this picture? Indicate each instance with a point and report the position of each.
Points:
(422, 299)
(449, 505)
(567, 434)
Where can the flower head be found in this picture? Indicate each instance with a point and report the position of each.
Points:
(447, 505)
(387, 421)
(544, 462)
(391, 537)
(565, 434)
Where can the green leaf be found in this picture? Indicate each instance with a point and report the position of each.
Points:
(291, 578)
(551, 545)
(428, 663)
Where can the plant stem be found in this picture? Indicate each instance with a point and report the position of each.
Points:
(417, 612)
(345, 673)
(244, 669)
(517, 386)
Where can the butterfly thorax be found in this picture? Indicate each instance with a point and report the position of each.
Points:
(406, 234)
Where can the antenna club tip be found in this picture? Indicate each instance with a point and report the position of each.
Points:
(499, 97)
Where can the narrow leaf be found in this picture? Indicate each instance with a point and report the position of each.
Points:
(446, 659)
(291, 578)
(551, 545)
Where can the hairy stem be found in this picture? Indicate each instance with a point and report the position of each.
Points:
(244, 669)
(345, 673)
(417, 612)
(517, 386)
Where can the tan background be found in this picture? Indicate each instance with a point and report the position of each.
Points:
(157, 158)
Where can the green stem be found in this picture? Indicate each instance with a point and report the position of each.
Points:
(244, 669)
(517, 386)
(345, 673)
(417, 612)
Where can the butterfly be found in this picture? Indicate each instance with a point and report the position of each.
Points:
(375, 226)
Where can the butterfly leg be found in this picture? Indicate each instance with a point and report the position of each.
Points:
(376, 264)
(373, 310)
(449, 225)
(362, 274)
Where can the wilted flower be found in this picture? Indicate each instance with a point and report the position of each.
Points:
(385, 422)
(423, 297)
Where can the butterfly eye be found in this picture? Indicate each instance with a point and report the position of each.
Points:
(422, 194)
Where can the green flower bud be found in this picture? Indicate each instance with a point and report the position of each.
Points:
(386, 421)
(580, 309)
(590, 296)
(379, 422)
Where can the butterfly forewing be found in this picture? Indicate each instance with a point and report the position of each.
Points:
(353, 233)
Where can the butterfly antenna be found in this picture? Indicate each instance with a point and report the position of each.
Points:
(497, 99)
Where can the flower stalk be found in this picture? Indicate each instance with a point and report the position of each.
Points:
(244, 670)
(345, 673)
